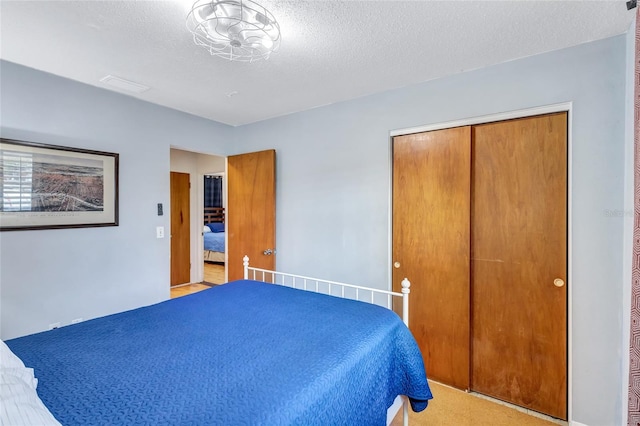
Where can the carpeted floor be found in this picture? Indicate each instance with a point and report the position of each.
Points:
(452, 407)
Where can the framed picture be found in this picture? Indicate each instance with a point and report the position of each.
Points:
(51, 187)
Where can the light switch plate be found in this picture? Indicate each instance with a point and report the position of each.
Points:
(159, 231)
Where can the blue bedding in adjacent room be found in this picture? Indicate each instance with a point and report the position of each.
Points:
(241, 353)
(214, 241)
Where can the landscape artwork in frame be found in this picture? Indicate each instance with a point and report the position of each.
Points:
(50, 187)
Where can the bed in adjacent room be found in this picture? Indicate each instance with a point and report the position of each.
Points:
(213, 235)
(248, 352)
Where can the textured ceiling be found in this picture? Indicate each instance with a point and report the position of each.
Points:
(331, 50)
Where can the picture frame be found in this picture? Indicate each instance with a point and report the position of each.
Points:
(53, 187)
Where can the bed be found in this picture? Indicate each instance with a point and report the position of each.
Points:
(213, 234)
(247, 352)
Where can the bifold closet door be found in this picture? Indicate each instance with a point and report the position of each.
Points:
(519, 262)
(431, 213)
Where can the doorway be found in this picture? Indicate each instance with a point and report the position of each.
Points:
(248, 215)
(213, 234)
(195, 165)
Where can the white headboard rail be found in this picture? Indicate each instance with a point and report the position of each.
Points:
(279, 278)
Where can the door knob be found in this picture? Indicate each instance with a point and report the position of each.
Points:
(558, 282)
(396, 265)
(267, 252)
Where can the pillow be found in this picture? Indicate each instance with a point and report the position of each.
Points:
(24, 374)
(20, 402)
(7, 358)
(206, 229)
(216, 226)
(11, 364)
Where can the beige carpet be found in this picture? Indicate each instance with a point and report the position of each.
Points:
(457, 408)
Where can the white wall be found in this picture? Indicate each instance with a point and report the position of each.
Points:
(333, 192)
(52, 276)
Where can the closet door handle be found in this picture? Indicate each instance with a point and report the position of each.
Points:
(558, 282)
(396, 265)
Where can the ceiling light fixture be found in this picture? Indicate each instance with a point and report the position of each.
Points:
(238, 30)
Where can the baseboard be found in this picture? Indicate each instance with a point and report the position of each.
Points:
(577, 424)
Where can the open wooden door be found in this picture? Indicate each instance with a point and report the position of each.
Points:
(251, 211)
(180, 229)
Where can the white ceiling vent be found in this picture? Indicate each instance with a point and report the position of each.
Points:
(122, 84)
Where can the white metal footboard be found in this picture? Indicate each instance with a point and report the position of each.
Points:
(333, 287)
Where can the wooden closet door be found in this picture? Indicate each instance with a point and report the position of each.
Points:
(519, 247)
(431, 196)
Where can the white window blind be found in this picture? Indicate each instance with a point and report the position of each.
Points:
(16, 175)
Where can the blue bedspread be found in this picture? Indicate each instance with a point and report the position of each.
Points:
(241, 353)
(214, 241)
